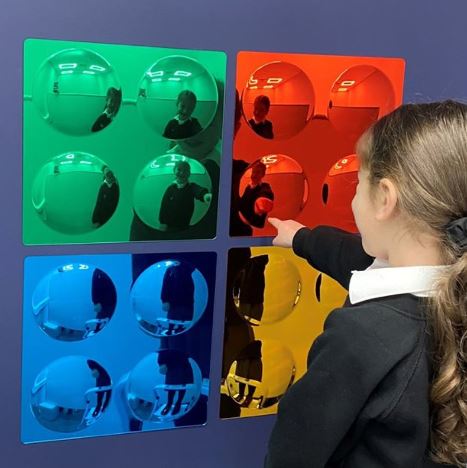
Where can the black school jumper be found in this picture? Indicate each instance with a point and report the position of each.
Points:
(364, 400)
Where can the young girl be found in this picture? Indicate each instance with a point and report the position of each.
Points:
(386, 384)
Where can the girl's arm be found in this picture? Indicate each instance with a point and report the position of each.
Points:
(332, 251)
(328, 249)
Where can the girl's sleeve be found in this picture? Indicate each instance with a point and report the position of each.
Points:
(266, 191)
(198, 191)
(332, 251)
(345, 364)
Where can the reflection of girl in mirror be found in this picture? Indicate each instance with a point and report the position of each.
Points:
(238, 227)
(249, 289)
(107, 198)
(177, 296)
(249, 368)
(103, 383)
(205, 148)
(112, 105)
(258, 198)
(178, 201)
(177, 373)
(238, 333)
(104, 299)
(259, 123)
(183, 125)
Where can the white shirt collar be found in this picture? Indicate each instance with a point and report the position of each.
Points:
(380, 280)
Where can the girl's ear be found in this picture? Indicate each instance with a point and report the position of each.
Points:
(386, 200)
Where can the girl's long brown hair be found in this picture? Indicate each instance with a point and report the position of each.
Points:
(422, 148)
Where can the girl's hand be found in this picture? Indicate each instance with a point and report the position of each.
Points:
(286, 231)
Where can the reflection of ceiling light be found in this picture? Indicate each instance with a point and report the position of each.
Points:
(271, 159)
(89, 72)
(274, 80)
(252, 81)
(67, 267)
(86, 162)
(174, 79)
(96, 68)
(156, 79)
(344, 85)
(67, 66)
(170, 164)
(156, 73)
(253, 87)
(66, 72)
(268, 86)
(82, 266)
(66, 162)
(182, 73)
(70, 156)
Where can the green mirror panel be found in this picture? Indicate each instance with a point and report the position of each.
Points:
(96, 117)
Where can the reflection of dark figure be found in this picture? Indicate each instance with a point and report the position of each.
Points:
(196, 342)
(177, 372)
(107, 199)
(237, 226)
(177, 295)
(178, 202)
(104, 297)
(112, 105)
(238, 333)
(257, 199)
(183, 125)
(249, 288)
(259, 123)
(135, 425)
(102, 380)
(204, 229)
(249, 366)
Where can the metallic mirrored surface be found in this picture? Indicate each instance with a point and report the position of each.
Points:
(278, 100)
(261, 374)
(163, 386)
(272, 186)
(75, 193)
(169, 297)
(359, 96)
(256, 295)
(177, 97)
(74, 302)
(172, 193)
(77, 92)
(70, 394)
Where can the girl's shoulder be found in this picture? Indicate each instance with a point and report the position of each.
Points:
(394, 324)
